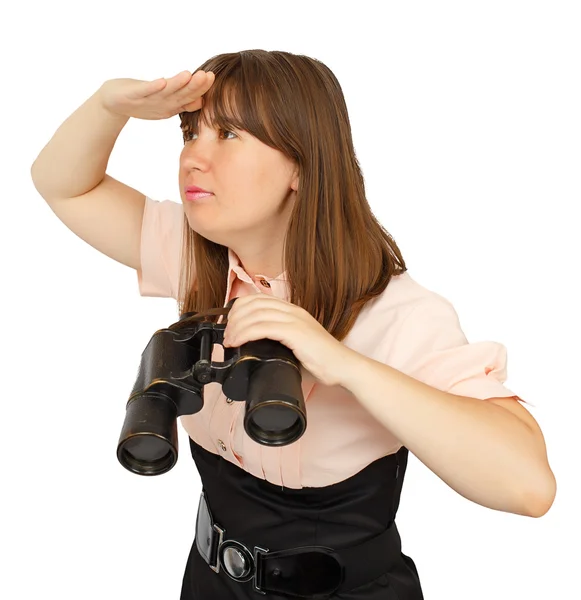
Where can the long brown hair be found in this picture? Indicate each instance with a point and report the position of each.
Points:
(337, 255)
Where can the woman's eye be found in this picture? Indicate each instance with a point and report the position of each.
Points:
(187, 134)
(226, 131)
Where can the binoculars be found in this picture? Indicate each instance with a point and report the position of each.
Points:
(175, 366)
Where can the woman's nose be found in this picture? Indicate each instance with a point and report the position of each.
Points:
(197, 152)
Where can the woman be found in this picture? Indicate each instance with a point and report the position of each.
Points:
(280, 221)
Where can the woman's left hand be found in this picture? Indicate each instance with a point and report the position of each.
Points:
(260, 316)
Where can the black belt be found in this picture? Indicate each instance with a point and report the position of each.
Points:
(313, 572)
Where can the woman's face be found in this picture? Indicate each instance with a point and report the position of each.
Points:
(253, 188)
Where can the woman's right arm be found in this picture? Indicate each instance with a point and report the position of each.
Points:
(70, 174)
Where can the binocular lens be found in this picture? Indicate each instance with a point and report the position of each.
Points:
(274, 417)
(147, 454)
(274, 424)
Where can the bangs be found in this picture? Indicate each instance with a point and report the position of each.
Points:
(234, 101)
(221, 108)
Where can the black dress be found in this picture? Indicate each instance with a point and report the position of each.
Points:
(259, 513)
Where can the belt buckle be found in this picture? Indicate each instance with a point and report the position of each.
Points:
(220, 532)
(257, 579)
(240, 564)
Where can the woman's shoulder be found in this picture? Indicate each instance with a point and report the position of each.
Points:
(404, 294)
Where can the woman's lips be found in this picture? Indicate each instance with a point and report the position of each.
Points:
(197, 195)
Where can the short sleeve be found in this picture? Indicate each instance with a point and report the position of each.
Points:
(434, 349)
(161, 247)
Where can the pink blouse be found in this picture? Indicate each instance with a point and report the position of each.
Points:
(420, 335)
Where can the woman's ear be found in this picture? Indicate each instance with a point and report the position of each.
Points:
(295, 180)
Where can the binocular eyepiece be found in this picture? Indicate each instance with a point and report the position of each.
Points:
(175, 366)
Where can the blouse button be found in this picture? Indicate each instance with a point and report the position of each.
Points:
(265, 283)
(222, 445)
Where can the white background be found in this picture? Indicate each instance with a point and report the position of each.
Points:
(466, 120)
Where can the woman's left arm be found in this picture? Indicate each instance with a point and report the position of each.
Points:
(487, 452)
(490, 451)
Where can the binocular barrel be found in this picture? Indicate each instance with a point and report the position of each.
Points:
(149, 438)
(148, 444)
(275, 409)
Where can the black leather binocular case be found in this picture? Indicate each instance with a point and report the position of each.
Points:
(175, 366)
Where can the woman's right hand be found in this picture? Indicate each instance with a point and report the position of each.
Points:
(158, 99)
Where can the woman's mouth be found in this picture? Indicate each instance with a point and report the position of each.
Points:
(193, 196)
